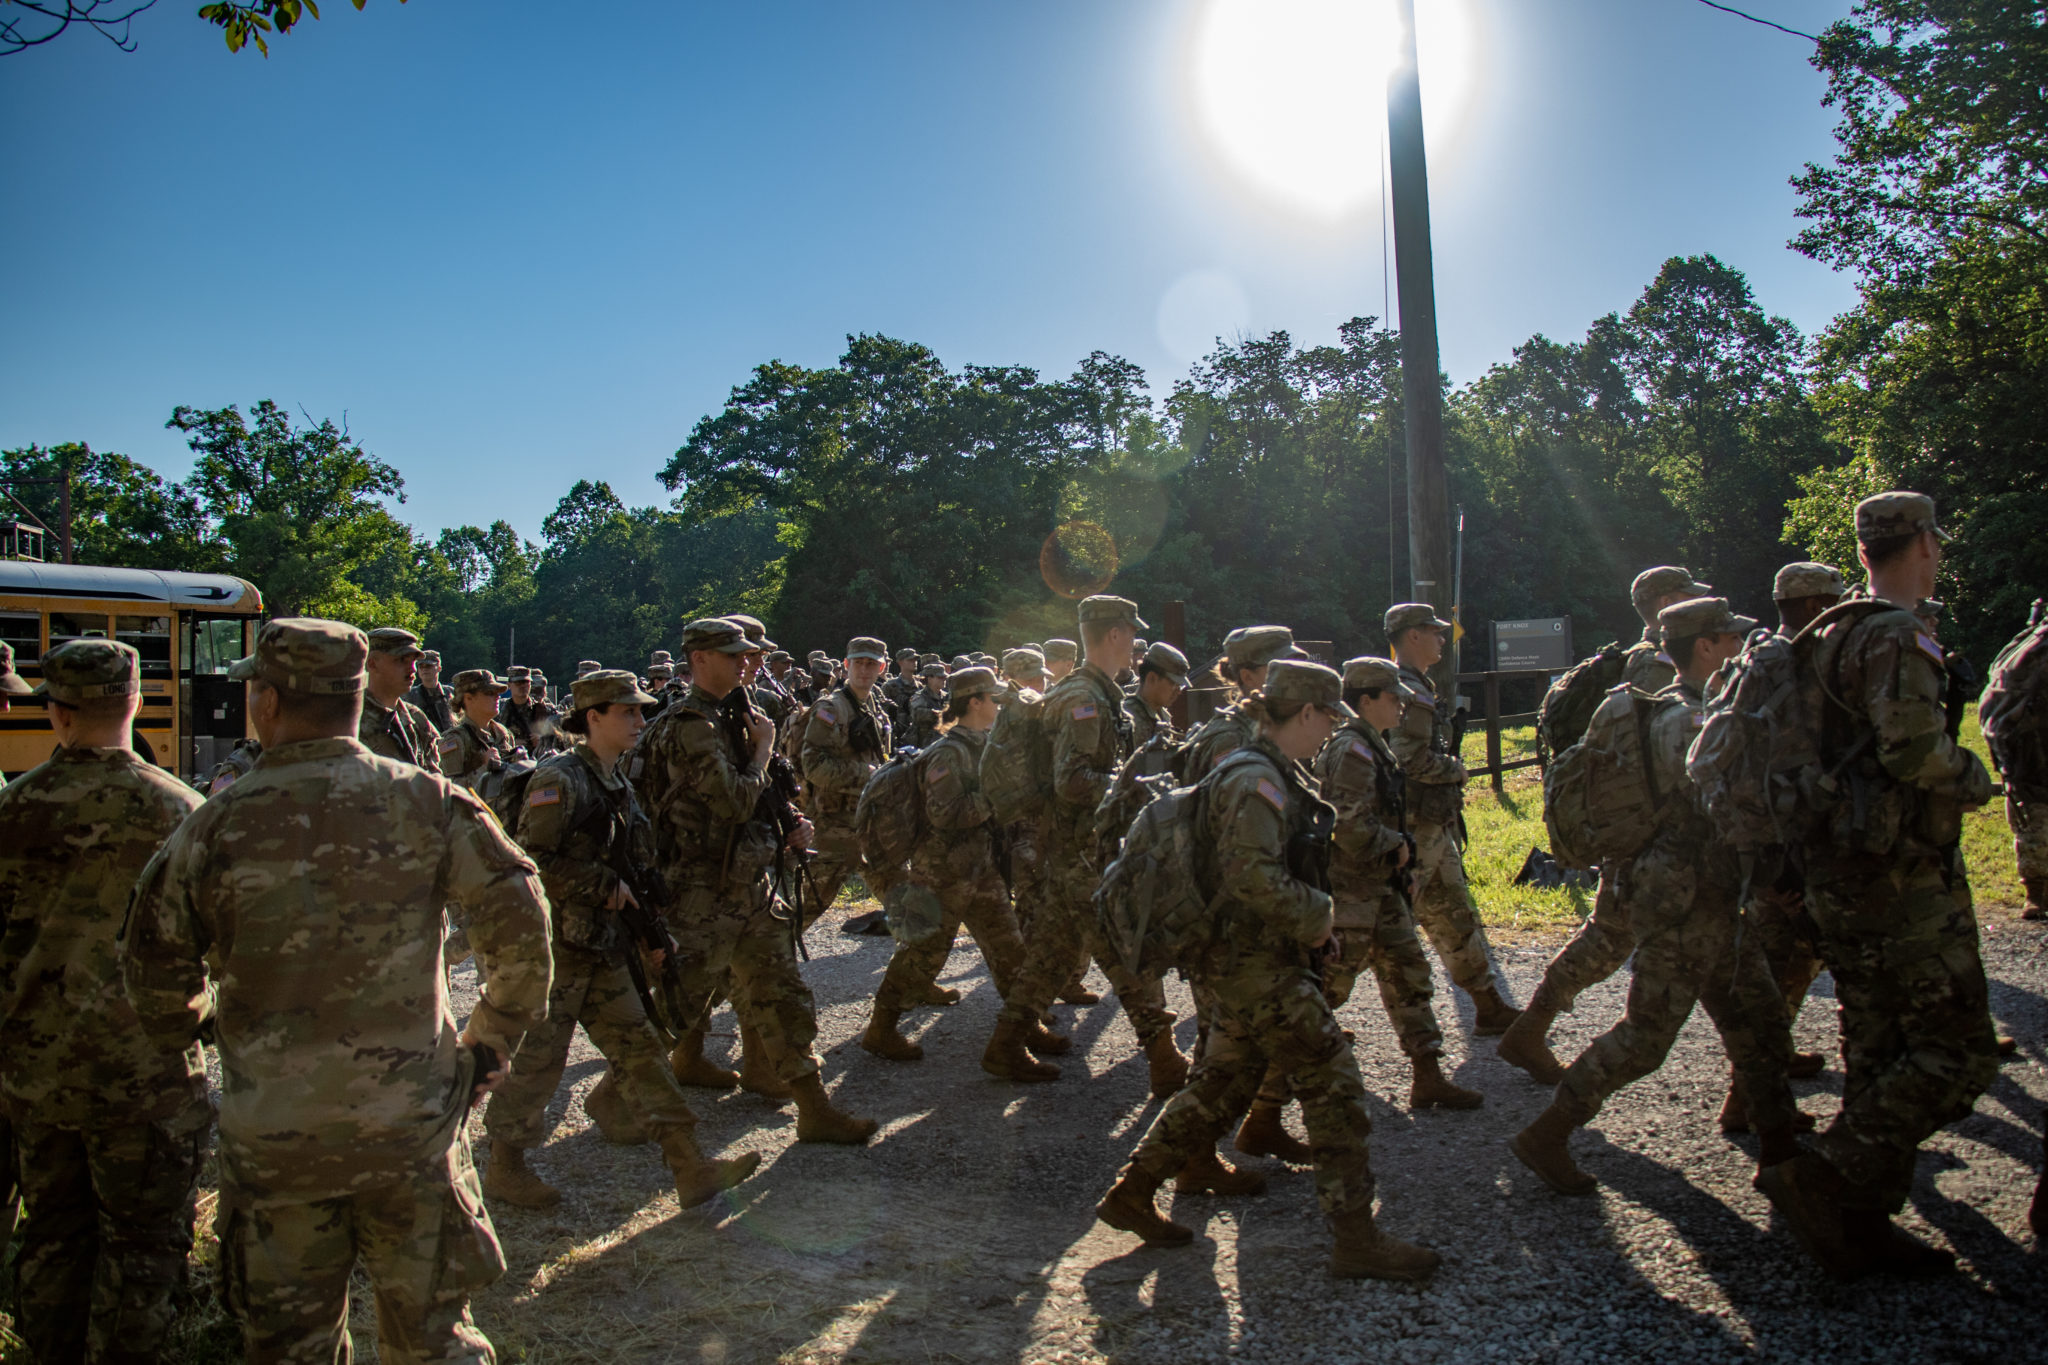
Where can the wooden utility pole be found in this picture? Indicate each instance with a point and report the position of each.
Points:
(1429, 550)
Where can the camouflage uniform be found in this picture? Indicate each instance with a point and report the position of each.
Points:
(468, 751)
(400, 731)
(533, 726)
(436, 703)
(1146, 723)
(844, 741)
(298, 913)
(111, 1128)
(2028, 821)
(240, 762)
(925, 710)
(1214, 740)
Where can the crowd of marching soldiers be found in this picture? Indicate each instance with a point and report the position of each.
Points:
(638, 850)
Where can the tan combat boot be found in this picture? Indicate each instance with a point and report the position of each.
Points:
(2037, 898)
(1077, 994)
(1363, 1252)
(1006, 1056)
(1774, 1145)
(1168, 1068)
(697, 1179)
(1263, 1134)
(1492, 1015)
(757, 1073)
(1526, 1045)
(607, 1108)
(1808, 1192)
(1128, 1208)
(1735, 1114)
(818, 1120)
(693, 1068)
(1041, 1041)
(1545, 1148)
(1210, 1174)
(1890, 1249)
(1804, 1066)
(883, 1040)
(935, 994)
(508, 1180)
(1432, 1091)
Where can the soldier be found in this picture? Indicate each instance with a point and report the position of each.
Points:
(586, 667)
(476, 744)
(1684, 894)
(927, 705)
(1162, 677)
(111, 1129)
(393, 727)
(845, 740)
(240, 762)
(1604, 941)
(902, 686)
(661, 676)
(2017, 679)
(1249, 651)
(1025, 667)
(1436, 799)
(1060, 657)
(530, 721)
(703, 796)
(1887, 889)
(952, 871)
(769, 696)
(345, 1083)
(581, 825)
(435, 702)
(1268, 1011)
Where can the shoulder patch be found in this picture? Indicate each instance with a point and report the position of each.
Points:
(1930, 647)
(1085, 711)
(1358, 746)
(826, 713)
(544, 796)
(937, 773)
(1272, 794)
(448, 743)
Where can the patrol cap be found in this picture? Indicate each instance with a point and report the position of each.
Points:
(604, 687)
(79, 671)
(1702, 616)
(662, 656)
(934, 669)
(1370, 673)
(1806, 579)
(1662, 581)
(1167, 660)
(307, 655)
(1896, 513)
(924, 659)
(477, 680)
(1408, 615)
(972, 682)
(587, 666)
(1141, 644)
(756, 633)
(518, 673)
(1115, 610)
(392, 640)
(716, 634)
(905, 653)
(661, 669)
(11, 684)
(1061, 650)
(1251, 646)
(1023, 663)
(867, 647)
(1311, 684)
(983, 658)
(781, 656)
(961, 661)
(430, 658)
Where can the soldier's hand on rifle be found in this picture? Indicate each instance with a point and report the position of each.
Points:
(800, 837)
(621, 897)
(485, 1080)
(761, 730)
(1404, 855)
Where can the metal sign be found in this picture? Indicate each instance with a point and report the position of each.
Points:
(1544, 643)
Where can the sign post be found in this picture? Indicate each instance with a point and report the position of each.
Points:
(1543, 643)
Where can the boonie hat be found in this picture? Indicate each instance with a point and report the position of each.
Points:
(391, 640)
(1408, 615)
(1250, 646)
(1103, 607)
(1897, 513)
(1806, 579)
(11, 684)
(1702, 616)
(716, 634)
(1662, 581)
(477, 680)
(972, 682)
(1061, 650)
(867, 647)
(79, 671)
(1167, 660)
(1306, 682)
(307, 655)
(1369, 672)
(604, 687)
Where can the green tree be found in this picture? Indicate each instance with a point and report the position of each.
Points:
(122, 512)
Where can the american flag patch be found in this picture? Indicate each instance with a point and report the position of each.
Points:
(1930, 647)
(448, 743)
(544, 796)
(827, 714)
(1273, 794)
(1358, 747)
(938, 773)
(1085, 711)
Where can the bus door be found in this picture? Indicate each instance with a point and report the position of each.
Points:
(213, 706)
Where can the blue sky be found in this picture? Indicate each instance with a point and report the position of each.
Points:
(517, 244)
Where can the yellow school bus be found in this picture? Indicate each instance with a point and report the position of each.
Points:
(188, 627)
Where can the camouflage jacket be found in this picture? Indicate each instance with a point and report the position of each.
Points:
(926, 711)
(1422, 741)
(958, 845)
(468, 751)
(402, 732)
(1360, 776)
(1645, 666)
(700, 798)
(75, 833)
(436, 704)
(1215, 739)
(1145, 722)
(1251, 811)
(533, 727)
(300, 912)
(577, 814)
(1091, 737)
(844, 742)
(239, 763)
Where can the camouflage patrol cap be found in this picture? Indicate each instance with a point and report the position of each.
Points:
(924, 659)
(79, 671)
(934, 669)
(1662, 581)
(430, 658)
(1061, 650)
(1702, 616)
(585, 667)
(757, 634)
(1897, 513)
(307, 655)
(518, 673)
(11, 684)
(780, 656)
(1370, 673)
(905, 653)
(972, 682)
(1251, 646)
(660, 669)
(1167, 660)
(984, 659)
(867, 647)
(1806, 579)
(961, 661)
(662, 656)
(604, 687)
(1023, 663)
(716, 634)
(1309, 683)
(393, 640)
(1114, 610)
(477, 680)
(1408, 615)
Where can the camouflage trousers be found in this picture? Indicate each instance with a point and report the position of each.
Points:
(732, 941)
(1783, 930)
(1027, 870)
(1917, 1039)
(425, 1240)
(592, 989)
(980, 905)
(1444, 908)
(2029, 824)
(837, 860)
(1596, 952)
(1690, 948)
(106, 1229)
(1265, 1018)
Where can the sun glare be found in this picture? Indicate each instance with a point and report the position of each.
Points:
(1292, 93)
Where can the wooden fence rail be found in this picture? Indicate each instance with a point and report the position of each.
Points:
(1489, 690)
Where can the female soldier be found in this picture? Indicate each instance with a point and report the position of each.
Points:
(581, 824)
(476, 744)
(1258, 815)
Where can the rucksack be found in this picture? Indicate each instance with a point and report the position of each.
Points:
(1140, 780)
(1016, 764)
(1568, 706)
(2014, 709)
(1599, 797)
(504, 791)
(888, 821)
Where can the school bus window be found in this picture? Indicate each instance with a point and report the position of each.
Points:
(24, 631)
(151, 636)
(215, 645)
(71, 625)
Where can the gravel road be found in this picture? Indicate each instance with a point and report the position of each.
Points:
(966, 1231)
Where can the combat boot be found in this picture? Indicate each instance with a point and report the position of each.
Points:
(1006, 1056)
(1263, 1134)
(693, 1068)
(757, 1073)
(1735, 1114)
(509, 1180)
(1890, 1249)
(1808, 1192)
(1078, 994)
(697, 1179)
(1526, 1045)
(1168, 1068)
(1432, 1091)
(1128, 1208)
(1774, 1145)
(883, 1040)
(607, 1108)
(2037, 898)
(1804, 1066)
(1493, 1015)
(1210, 1174)
(1545, 1148)
(935, 994)
(1363, 1252)
(1043, 1042)
(818, 1120)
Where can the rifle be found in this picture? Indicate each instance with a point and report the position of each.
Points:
(777, 807)
(1964, 682)
(646, 924)
(1308, 858)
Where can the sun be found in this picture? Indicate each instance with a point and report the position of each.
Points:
(1292, 93)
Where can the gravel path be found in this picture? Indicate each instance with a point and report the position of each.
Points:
(966, 1231)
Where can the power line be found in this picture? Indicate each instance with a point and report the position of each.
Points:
(1729, 9)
